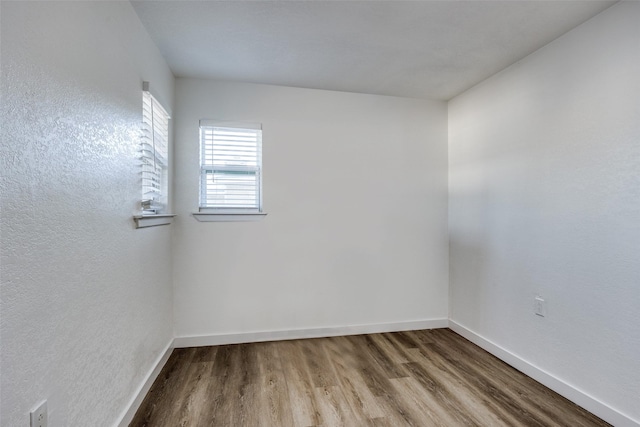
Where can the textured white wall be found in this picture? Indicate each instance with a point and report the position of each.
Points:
(545, 198)
(86, 298)
(355, 188)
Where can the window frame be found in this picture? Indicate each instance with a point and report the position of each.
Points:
(211, 164)
(154, 155)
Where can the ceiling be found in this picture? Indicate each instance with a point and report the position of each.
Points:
(420, 49)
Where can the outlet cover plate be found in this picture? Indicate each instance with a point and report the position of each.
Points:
(540, 306)
(39, 416)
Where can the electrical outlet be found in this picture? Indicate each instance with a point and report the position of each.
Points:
(540, 306)
(39, 415)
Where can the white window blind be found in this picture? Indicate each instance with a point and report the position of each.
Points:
(231, 168)
(154, 154)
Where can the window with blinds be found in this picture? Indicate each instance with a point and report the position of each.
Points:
(154, 148)
(230, 167)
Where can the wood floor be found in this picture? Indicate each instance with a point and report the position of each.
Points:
(418, 378)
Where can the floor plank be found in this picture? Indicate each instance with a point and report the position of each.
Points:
(414, 378)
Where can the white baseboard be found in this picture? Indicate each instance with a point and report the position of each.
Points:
(575, 395)
(246, 337)
(139, 396)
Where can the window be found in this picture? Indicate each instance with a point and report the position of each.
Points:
(154, 154)
(230, 168)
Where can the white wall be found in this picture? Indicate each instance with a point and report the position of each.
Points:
(355, 188)
(86, 298)
(544, 186)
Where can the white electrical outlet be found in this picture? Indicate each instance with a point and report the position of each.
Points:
(540, 306)
(39, 415)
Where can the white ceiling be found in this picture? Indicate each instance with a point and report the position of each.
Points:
(422, 49)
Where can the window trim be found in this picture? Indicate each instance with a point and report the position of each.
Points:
(144, 221)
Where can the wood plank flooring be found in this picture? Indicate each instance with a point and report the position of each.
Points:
(417, 378)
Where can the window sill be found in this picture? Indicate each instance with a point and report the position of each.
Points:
(144, 221)
(236, 217)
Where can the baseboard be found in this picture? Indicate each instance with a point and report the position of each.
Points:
(246, 337)
(139, 396)
(575, 395)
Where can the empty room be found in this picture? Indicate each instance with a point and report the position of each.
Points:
(320, 213)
